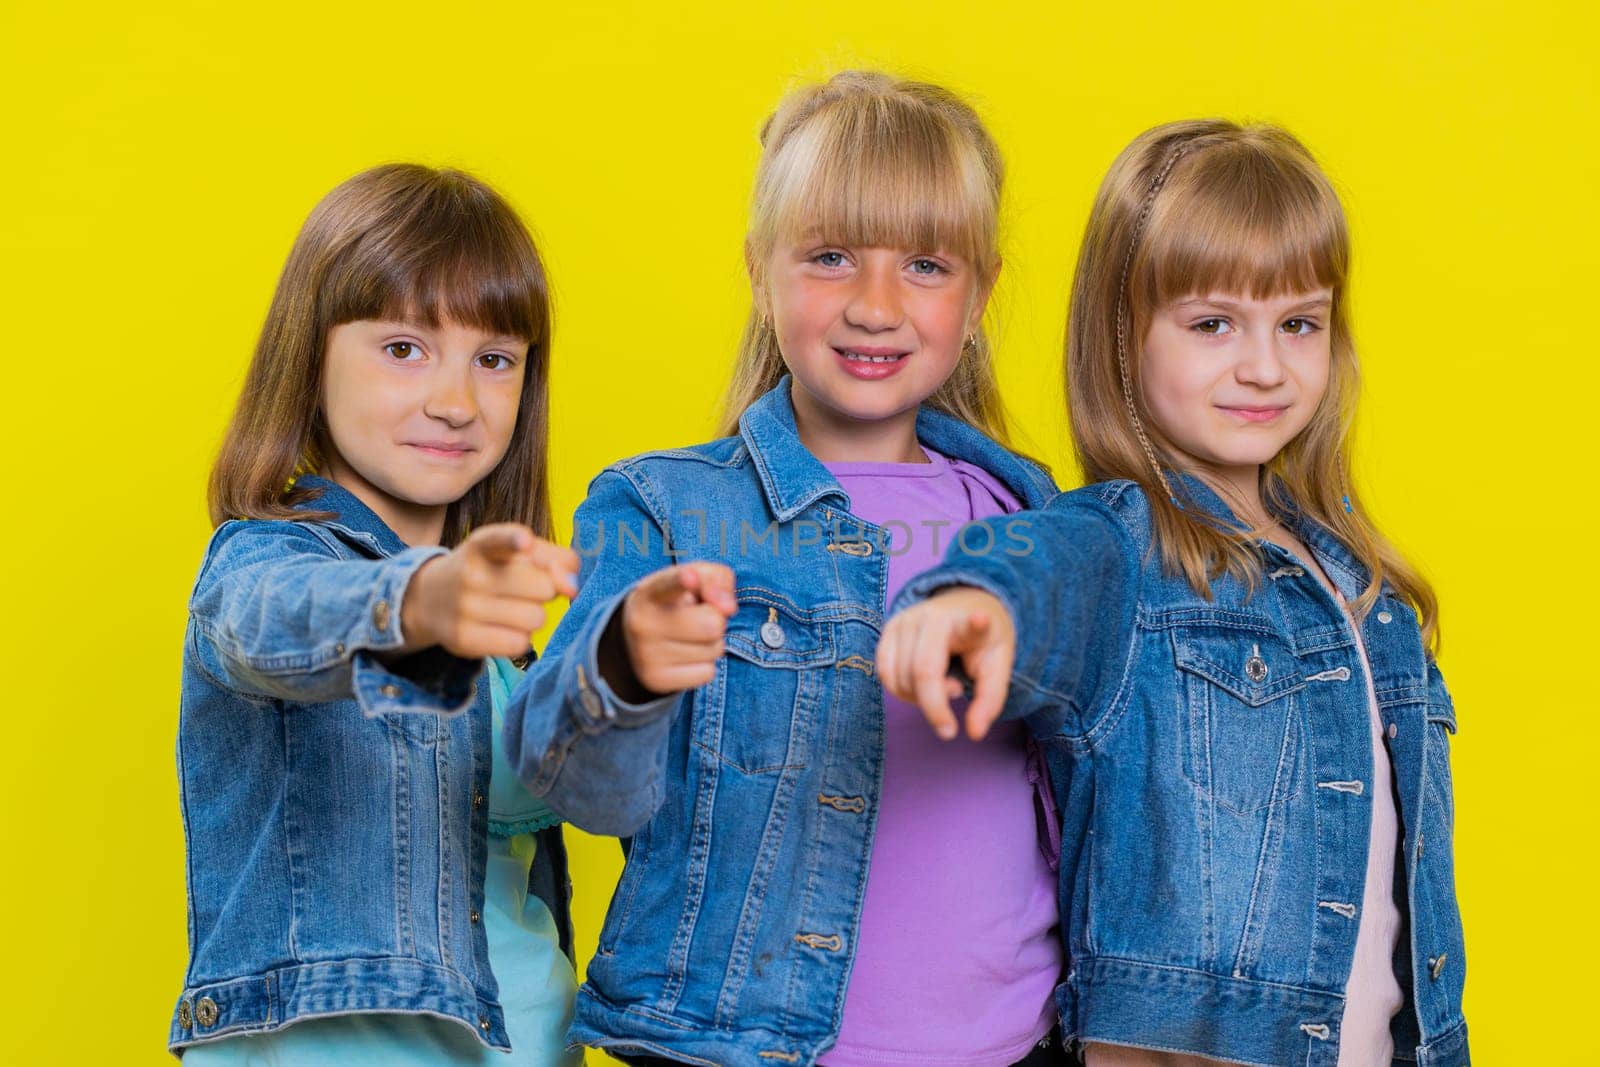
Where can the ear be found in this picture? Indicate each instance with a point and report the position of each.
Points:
(980, 299)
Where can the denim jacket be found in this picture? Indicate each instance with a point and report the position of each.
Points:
(333, 799)
(751, 801)
(1212, 763)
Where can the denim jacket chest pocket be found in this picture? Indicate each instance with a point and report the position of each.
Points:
(760, 713)
(1240, 691)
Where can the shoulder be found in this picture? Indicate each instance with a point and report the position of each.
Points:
(252, 537)
(1122, 500)
(1113, 515)
(661, 480)
(240, 543)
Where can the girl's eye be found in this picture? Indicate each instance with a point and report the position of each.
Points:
(1299, 326)
(1213, 326)
(830, 259)
(925, 267)
(495, 361)
(402, 350)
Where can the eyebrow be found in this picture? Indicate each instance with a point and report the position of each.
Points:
(1228, 305)
(418, 326)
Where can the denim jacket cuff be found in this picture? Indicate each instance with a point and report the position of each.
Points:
(926, 585)
(599, 703)
(431, 680)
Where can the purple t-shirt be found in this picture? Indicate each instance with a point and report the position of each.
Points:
(958, 953)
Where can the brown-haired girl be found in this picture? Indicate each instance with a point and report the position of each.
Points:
(357, 848)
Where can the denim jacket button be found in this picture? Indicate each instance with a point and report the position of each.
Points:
(391, 690)
(772, 634)
(1394, 730)
(1385, 618)
(1255, 668)
(205, 1011)
(380, 615)
(483, 1023)
(474, 918)
(185, 1015)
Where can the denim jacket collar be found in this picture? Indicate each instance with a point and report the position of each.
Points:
(793, 479)
(1346, 572)
(355, 520)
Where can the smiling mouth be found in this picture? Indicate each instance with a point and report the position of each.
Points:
(1254, 414)
(855, 355)
(441, 449)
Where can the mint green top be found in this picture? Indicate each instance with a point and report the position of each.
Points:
(535, 978)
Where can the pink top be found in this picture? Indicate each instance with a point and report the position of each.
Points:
(1373, 996)
(958, 953)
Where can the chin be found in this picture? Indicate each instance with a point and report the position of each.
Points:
(434, 494)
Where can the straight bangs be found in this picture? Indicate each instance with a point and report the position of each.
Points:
(882, 173)
(1240, 220)
(452, 254)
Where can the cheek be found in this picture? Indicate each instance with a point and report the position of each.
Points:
(499, 405)
(942, 316)
(347, 400)
(801, 311)
(1314, 380)
(1172, 386)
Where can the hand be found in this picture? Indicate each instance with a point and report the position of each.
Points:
(963, 624)
(670, 630)
(487, 596)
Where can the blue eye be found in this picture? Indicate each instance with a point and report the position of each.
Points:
(402, 350)
(830, 259)
(926, 267)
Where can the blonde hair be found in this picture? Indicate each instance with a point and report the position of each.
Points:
(399, 241)
(1198, 207)
(865, 158)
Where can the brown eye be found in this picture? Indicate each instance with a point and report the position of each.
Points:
(400, 349)
(1297, 326)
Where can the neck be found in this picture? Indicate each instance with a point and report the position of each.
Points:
(836, 438)
(415, 524)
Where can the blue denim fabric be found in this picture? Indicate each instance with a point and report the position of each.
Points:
(1212, 763)
(332, 795)
(751, 801)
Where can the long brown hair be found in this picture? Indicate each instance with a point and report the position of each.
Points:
(407, 242)
(1199, 207)
(865, 158)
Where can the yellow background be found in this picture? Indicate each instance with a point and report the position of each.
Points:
(158, 159)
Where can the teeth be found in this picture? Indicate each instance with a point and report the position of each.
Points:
(858, 358)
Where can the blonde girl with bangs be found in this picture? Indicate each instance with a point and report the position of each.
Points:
(1231, 668)
(358, 847)
(810, 877)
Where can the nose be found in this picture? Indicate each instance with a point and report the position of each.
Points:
(1260, 363)
(875, 301)
(451, 398)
